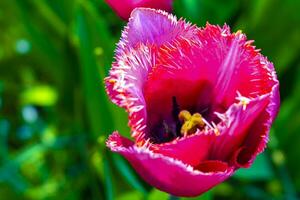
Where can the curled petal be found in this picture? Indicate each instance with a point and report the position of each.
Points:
(258, 133)
(212, 165)
(154, 27)
(191, 150)
(252, 132)
(126, 80)
(243, 70)
(163, 172)
(240, 118)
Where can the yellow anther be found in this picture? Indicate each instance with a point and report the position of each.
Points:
(112, 81)
(184, 115)
(197, 119)
(244, 102)
(190, 122)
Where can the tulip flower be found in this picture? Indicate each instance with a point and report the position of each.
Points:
(200, 101)
(124, 8)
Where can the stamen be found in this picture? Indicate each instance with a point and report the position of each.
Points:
(190, 122)
(211, 126)
(207, 123)
(244, 101)
(184, 115)
(216, 130)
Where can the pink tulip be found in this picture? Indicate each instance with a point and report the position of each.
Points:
(123, 8)
(200, 101)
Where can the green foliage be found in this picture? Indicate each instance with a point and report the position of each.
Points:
(55, 115)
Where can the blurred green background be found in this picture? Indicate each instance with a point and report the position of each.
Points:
(55, 115)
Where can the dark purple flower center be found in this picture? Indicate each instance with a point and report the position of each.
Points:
(180, 124)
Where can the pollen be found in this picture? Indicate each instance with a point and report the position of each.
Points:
(190, 122)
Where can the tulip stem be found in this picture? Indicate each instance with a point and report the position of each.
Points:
(173, 197)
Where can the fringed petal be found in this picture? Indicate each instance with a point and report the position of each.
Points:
(154, 27)
(168, 174)
(162, 63)
(136, 56)
(258, 134)
(252, 140)
(225, 62)
(125, 84)
(243, 70)
(239, 119)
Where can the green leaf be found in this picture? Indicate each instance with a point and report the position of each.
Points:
(50, 16)
(200, 12)
(102, 39)
(157, 194)
(4, 130)
(96, 101)
(103, 115)
(206, 196)
(40, 95)
(109, 193)
(127, 172)
(133, 195)
(9, 171)
(41, 39)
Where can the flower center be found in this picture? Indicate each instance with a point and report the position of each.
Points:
(180, 123)
(190, 122)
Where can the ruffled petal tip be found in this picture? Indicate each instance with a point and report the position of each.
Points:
(168, 174)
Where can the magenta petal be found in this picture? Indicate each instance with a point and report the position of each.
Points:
(154, 27)
(212, 166)
(115, 140)
(124, 8)
(258, 133)
(163, 172)
(146, 25)
(163, 66)
(206, 71)
(273, 107)
(125, 82)
(179, 72)
(136, 57)
(240, 118)
(191, 150)
(226, 75)
(251, 133)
